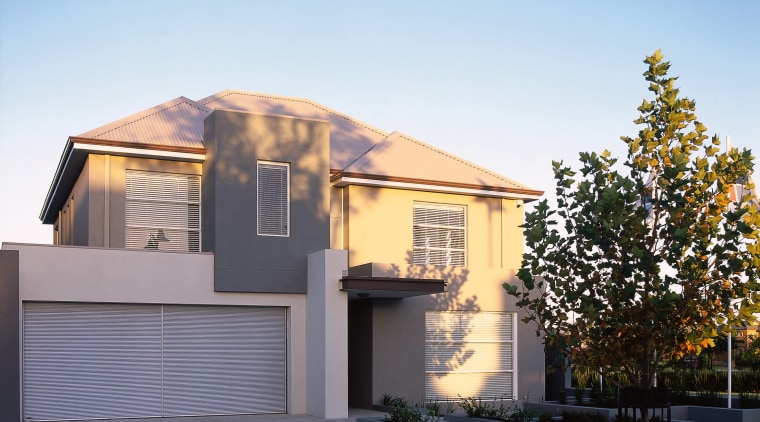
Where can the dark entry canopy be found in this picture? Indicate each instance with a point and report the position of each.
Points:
(367, 287)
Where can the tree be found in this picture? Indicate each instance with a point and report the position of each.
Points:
(750, 358)
(646, 261)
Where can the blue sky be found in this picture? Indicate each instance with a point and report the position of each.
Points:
(509, 85)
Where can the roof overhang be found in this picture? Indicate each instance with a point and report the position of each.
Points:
(75, 155)
(339, 178)
(365, 287)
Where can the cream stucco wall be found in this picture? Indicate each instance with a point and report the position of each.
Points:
(375, 225)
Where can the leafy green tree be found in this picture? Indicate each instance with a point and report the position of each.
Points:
(750, 358)
(649, 259)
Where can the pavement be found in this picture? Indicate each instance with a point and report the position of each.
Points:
(353, 415)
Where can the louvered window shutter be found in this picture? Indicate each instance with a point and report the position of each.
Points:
(470, 354)
(439, 234)
(163, 211)
(273, 199)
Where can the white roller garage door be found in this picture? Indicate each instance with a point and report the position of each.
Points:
(86, 361)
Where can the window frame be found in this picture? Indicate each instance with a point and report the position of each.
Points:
(273, 164)
(451, 207)
(137, 198)
(466, 340)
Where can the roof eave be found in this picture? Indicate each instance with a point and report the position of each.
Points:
(75, 154)
(339, 179)
(52, 191)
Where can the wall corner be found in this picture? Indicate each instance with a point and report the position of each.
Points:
(10, 354)
(327, 335)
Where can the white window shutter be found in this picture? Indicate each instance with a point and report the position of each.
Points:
(439, 234)
(163, 211)
(273, 199)
(471, 354)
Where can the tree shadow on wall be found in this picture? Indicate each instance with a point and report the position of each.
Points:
(445, 332)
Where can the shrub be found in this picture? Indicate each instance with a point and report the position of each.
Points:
(579, 396)
(433, 407)
(409, 414)
(477, 408)
(393, 401)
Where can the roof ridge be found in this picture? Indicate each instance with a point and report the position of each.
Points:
(301, 100)
(181, 99)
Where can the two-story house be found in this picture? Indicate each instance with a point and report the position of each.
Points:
(252, 254)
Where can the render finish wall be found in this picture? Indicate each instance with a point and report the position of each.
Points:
(96, 275)
(235, 142)
(378, 228)
(397, 333)
(10, 369)
(377, 224)
(100, 198)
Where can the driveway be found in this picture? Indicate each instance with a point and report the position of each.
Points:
(353, 414)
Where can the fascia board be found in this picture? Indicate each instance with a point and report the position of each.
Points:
(344, 181)
(82, 149)
(139, 152)
(62, 165)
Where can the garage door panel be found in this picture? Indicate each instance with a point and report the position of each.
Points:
(224, 359)
(119, 361)
(96, 361)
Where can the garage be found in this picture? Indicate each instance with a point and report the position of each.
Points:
(88, 361)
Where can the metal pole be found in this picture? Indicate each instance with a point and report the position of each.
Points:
(729, 369)
(601, 381)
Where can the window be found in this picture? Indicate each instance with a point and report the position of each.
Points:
(471, 354)
(273, 199)
(163, 211)
(439, 234)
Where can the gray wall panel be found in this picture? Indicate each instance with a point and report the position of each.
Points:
(10, 392)
(245, 261)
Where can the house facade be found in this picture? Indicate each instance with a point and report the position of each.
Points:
(254, 254)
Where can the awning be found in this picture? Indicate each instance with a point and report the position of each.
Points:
(367, 287)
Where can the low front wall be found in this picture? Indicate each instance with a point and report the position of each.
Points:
(681, 413)
(556, 409)
(48, 273)
(717, 414)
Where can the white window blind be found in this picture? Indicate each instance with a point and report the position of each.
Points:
(163, 211)
(471, 354)
(273, 199)
(439, 234)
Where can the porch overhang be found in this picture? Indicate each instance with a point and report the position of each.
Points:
(368, 287)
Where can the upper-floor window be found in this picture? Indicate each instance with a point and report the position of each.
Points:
(273, 198)
(163, 211)
(439, 234)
